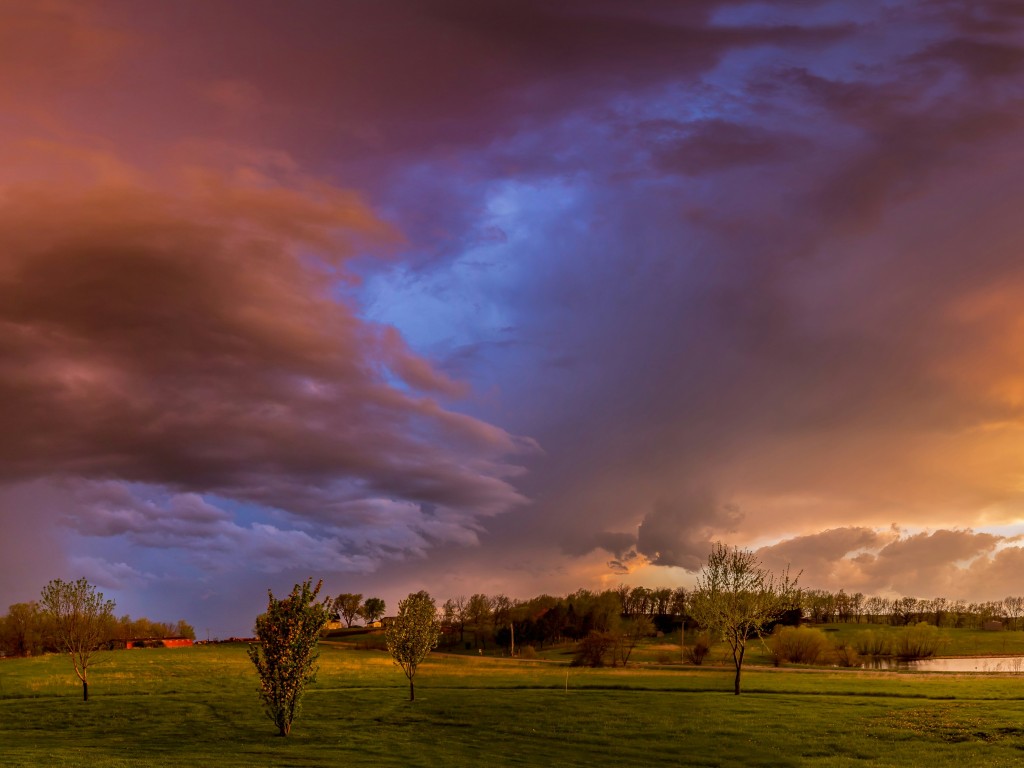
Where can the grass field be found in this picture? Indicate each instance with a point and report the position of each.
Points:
(198, 707)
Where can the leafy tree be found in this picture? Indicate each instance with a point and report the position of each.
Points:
(737, 598)
(372, 609)
(502, 606)
(413, 634)
(20, 630)
(184, 629)
(662, 600)
(347, 606)
(285, 658)
(82, 621)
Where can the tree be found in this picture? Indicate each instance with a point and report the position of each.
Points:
(478, 614)
(372, 609)
(20, 630)
(594, 648)
(631, 631)
(413, 634)
(82, 620)
(1013, 606)
(285, 658)
(347, 605)
(737, 598)
(184, 629)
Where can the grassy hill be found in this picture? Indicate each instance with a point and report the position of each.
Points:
(198, 706)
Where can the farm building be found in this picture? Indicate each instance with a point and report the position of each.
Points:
(156, 642)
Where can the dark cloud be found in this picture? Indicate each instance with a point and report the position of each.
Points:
(770, 250)
(682, 533)
(618, 544)
(188, 343)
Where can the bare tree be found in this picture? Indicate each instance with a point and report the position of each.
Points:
(1014, 609)
(631, 631)
(82, 621)
(478, 613)
(736, 597)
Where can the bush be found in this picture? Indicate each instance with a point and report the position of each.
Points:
(593, 648)
(701, 647)
(918, 641)
(800, 645)
(528, 652)
(846, 655)
(871, 643)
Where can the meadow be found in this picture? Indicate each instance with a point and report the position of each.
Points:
(198, 706)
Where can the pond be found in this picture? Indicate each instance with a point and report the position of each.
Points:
(1004, 664)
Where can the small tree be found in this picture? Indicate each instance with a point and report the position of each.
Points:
(631, 631)
(413, 634)
(82, 621)
(737, 598)
(372, 609)
(347, 606)
(285, 658)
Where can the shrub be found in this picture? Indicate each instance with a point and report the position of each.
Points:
(285, 658)
(918, 641)
(528, 652)
(871, 643)
(701, 647)
(800, 645)
(846, 655)
(593, 648)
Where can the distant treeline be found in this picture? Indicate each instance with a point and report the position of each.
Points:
(482, 621)
(823, 607)
(27, 631)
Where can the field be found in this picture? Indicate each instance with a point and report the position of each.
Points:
(197, 706)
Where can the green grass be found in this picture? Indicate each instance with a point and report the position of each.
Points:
(198, 706)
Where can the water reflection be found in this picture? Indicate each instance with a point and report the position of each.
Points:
(1005, 664)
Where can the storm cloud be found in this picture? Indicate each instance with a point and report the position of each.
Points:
(510, 296)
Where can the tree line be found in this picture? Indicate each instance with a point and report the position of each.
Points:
(494, 621)
(29, 630)
(823, 607)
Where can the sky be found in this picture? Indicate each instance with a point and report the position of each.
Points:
(508, 297)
